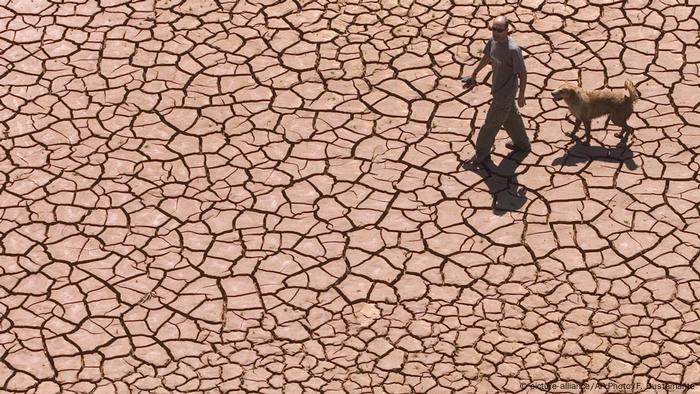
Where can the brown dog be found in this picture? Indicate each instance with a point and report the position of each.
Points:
(586, 105)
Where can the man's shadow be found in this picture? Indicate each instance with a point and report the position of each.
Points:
(581, 153)
(502, 182)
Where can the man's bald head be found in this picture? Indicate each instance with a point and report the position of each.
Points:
(501, 21)
(499, 28)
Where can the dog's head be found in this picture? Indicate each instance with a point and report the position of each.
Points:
(565, 91)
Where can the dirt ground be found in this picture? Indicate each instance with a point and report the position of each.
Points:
(211, 196)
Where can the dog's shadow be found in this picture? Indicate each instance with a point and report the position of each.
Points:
(502, 182)
(581, 153)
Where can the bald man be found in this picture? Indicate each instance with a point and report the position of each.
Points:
(509, 78)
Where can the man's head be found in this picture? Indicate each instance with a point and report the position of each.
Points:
(499, 28)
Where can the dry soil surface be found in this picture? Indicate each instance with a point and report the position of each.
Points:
(205, 196)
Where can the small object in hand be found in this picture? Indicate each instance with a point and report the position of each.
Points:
(468, 82)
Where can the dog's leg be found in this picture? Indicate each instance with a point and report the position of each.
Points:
(587, 124)
(626, 129)
(622, 122)
(577, 125)
(624, 134)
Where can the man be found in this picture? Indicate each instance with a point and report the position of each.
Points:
(508, 78)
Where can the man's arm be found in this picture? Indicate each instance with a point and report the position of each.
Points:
(522, 76)
(521, 70)
(482, 63)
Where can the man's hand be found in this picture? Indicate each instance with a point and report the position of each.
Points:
(521, 101)
(468, 82)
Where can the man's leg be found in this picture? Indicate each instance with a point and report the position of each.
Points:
(487, 134)
(516, 129)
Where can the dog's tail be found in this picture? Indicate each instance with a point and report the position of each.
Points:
(634, 93)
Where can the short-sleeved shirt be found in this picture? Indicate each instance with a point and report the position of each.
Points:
(506, 61)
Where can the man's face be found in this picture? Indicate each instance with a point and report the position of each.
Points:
(499, 31)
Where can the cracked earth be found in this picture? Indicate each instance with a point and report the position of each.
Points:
(206, 196)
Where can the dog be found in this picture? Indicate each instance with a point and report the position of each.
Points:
(586, 105)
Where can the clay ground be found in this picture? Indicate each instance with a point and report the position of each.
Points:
(206, 196)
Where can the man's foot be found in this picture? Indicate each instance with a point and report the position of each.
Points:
(473, 163)
(512, 146)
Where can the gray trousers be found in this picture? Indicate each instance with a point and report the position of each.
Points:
(499, 116)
